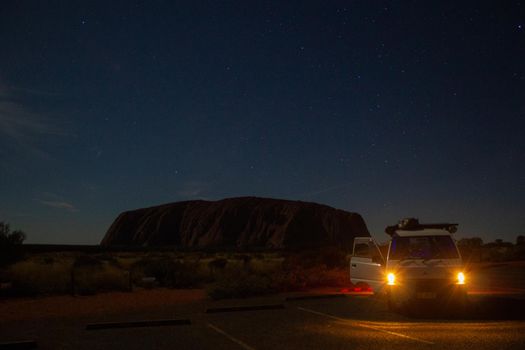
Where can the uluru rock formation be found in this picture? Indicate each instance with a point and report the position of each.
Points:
(245, 222)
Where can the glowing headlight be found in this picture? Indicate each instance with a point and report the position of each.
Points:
(461, 278)
(391, 278)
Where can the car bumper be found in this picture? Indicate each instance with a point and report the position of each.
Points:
(426, 291)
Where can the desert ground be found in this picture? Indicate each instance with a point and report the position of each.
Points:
(331, 318)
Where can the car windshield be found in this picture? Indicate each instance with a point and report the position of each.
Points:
(423, 247)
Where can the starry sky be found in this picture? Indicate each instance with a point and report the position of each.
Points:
(386, 108)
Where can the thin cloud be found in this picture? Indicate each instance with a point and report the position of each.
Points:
(17, 122)
(55, 201)
(193, 190)
(21, 127)
(325, 190)
(59, 205)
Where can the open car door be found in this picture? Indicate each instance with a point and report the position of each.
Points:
(367, 264)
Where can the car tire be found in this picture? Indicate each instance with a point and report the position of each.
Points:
(392, 304)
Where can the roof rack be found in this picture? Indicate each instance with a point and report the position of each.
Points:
(412, 224)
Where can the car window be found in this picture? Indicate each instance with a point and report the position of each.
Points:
(423, 247)
(362, 250)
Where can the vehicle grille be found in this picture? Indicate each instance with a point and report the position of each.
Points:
(429, 285)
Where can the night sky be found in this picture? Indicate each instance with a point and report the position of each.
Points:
(388, 109)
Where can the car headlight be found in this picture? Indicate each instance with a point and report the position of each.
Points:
(391, 279)
(461, 278)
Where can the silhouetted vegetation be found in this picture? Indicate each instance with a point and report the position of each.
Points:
(240, 284)
(167, 272)
(223, 274)
(10, 242)
(290, 272)
(100, 278)
(474, 250)
(34, 276)
(217, 265)
(63, 274)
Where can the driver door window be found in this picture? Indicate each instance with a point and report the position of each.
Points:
(369, 250)
(362, 250)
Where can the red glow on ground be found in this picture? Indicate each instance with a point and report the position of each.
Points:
(357, 290)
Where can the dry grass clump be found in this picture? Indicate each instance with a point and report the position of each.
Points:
(290, 272)
(169, 273)
(101, 278)
(59, 274)
(237, 283)
(32, 277)
(225, 275)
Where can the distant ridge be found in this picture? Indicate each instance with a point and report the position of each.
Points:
(244, 222)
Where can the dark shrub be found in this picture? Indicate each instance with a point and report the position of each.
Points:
(302, 279)
(108, 258)
(92, 280)
(10, 244)
(33, 277)
(290, 280)
(217, 264)
(332, 257)
(86, 261)
(167, 273)
(239, 284)
(48, 260)
(245, 258)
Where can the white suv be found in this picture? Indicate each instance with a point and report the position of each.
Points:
(423, 264)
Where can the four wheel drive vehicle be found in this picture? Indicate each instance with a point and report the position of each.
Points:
(423, 264)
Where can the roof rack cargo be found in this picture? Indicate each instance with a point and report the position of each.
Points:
(412, 224)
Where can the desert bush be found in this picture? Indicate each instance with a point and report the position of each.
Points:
(306, 259)
(100, 278)
(86, 261)
(278, 275)
(239, 284)
(267, 266)
(228, 275)
(332, 258)
(300, 278)
(169, 273)
(32, 278)
(10, 244)
(126, 262)
(290, 280)
(519, 252)
(324, 277)
(217, 264)
(48, 260)
(49, 275)
(108, 258)
(328, 256)
(246, 260)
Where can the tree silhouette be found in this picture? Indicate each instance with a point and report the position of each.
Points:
(474, 242)
(10, 243)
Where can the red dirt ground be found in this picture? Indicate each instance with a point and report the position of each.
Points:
(100, 304)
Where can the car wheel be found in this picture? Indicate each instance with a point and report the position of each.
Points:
(393, 306)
